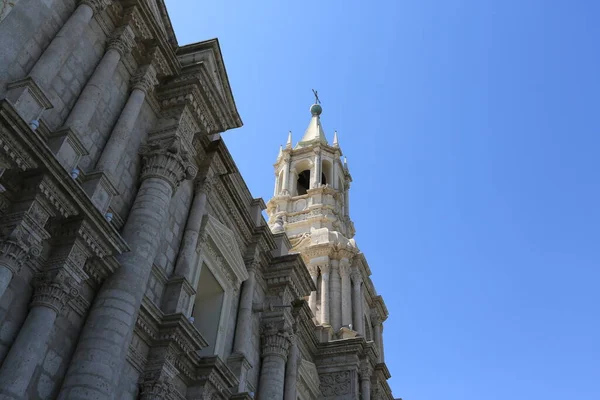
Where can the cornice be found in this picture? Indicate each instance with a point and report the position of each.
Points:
(290, 270)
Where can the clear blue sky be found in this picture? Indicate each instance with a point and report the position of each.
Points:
(471, 131)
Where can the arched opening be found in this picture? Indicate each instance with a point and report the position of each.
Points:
(327, 175)
(303, 183)
(207, 309)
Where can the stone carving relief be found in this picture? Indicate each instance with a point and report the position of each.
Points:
(336, 384)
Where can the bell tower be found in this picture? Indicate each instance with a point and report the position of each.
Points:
(311, 203)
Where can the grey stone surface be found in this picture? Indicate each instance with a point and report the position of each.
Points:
(126, 333)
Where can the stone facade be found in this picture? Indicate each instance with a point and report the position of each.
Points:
(134, 262)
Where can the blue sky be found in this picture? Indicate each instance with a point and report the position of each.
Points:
(471, 131)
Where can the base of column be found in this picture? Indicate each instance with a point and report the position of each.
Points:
(239, 365)
(67, 148)
(28, 99)
(346, 333)
(100, 189)
(177, 296)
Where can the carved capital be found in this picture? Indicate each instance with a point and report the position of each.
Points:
(145, 78)
(325, 268)
(122, 40)
(344, 269)
(365, 371)
(96, 5)
(356, 277)
(376, 320)
(253, 266)
(157, 389)
(313, 270)
(205, 185)
(275, 341)
(165, 159)
(54, 290)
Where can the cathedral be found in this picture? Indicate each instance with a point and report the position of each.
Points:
(134, 261)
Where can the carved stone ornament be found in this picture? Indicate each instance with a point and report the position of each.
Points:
(96, 5)
(164, 159)
(275, 341)
(122, 40)
(145, 78)
(18, 247)
(157, 389)
(335, 384)
(313, 270)
(205, 185)
(365, 371)
(54, 290)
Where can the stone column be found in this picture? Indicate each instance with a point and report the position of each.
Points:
(325, 294)
(335, 305)
(119, 45)
(312, 300)
(103, 344)
(293, 178)
(291, 370)
(188, 255)
(378, 337)
(286, 174)
(243, 331)
(115, 147)
(335, 184)
(54, 57)
(347, 199)
(53, 290)
(317, 169)
(357, 301)
(275, 348)
(346, 293)
(365, 380)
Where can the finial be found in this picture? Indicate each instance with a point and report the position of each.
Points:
(335, 139)
(345, 162)
(280, 152)
(288, 145)
(316, 109)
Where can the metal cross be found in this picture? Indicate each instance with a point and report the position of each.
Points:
(317, 101)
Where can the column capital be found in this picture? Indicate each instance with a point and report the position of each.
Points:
(376, 320)
(205, 185)
(96, 5)
(122, 40)
(325, 269)
(365, 371)
(313, 270)
(253, 266)
(275, 340)
(165, 159)
(356, 277)
(145, 78)
(344, 268)
(54, 290)
(157, 389)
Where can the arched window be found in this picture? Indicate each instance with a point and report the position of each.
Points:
(303, 183)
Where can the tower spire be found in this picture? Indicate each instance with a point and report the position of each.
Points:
(288, 145)
(314, 133)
